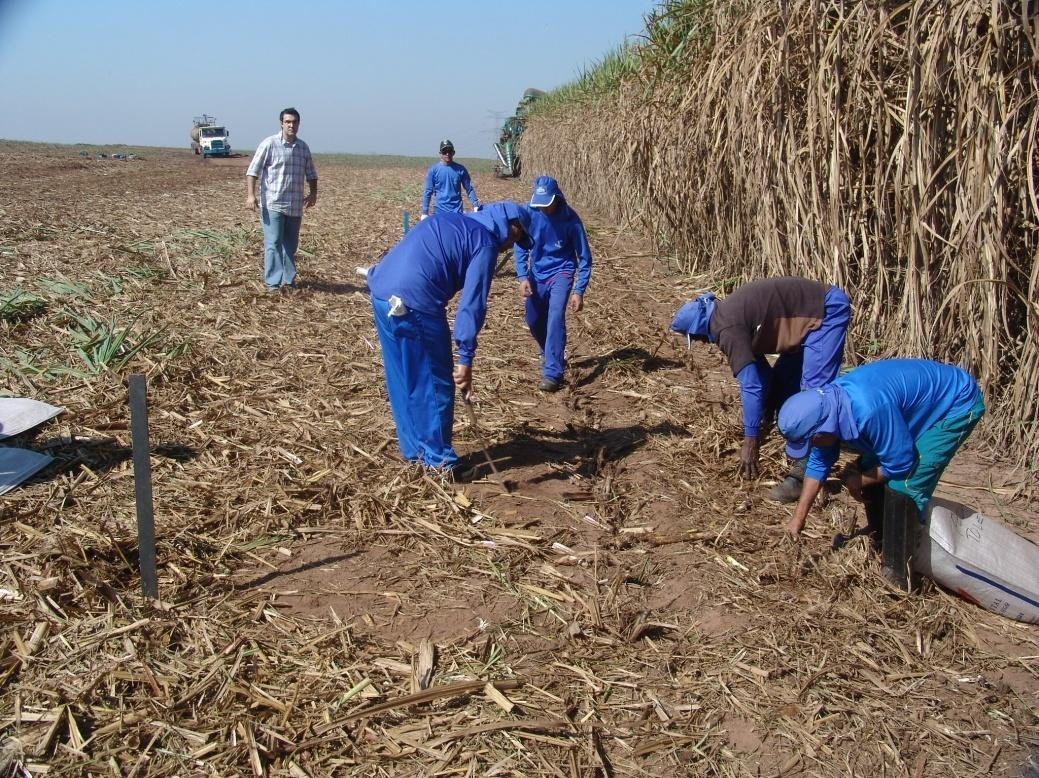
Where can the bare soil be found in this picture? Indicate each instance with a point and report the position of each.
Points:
(634, 599)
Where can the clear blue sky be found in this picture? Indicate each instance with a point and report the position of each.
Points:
(368, 76)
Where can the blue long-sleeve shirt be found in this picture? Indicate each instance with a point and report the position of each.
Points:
(752, 397)
(439, 257)
(445, 181)
(893, 402)
(560, 244)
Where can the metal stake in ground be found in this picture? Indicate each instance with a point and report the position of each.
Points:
(468, 404)
(142, 478)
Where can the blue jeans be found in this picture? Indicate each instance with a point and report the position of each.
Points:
(818, 361)
(823, 349)
(280, 241)
(546, 317)
(417, 361)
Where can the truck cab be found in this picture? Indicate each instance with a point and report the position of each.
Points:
(213, 141)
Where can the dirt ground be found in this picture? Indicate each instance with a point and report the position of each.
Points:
(629, 607)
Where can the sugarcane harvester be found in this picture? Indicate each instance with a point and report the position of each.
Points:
(507, 146)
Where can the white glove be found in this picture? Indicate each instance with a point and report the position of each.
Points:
(476, 208)
(423, 217)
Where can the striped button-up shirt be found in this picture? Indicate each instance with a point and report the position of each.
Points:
(282, 168)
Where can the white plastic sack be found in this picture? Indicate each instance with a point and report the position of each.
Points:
(18, 414)
(17, 464)
(981, 559)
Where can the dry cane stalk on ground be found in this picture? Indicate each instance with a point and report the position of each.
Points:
(328, 610)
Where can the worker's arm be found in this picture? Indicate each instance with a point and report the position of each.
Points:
(753, 380)
(472, 303)
(250, 192)
(467, 184)
(820, 461)
(584, 257)
(521, 259)
(427, 191)
(810, 490)
(583, 253)
(463, 378)
(311, 174)
(855, 480)
(252, 174)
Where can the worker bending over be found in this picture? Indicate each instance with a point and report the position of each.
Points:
(803, 321)
(553, 275)
(906, 417)
(410, 289)
(446, 179)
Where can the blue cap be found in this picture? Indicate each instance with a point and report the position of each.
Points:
(694, 318)
(546, 189)
(799, 419)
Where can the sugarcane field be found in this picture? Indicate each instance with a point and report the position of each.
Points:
(688, 429)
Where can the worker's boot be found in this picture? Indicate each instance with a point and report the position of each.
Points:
(550, 384)
(901, 519)
(873, 502)
(789, 489)
(464, 471)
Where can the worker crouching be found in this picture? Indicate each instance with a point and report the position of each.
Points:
(553, 275)
(906, 417)
(803, 321)
(410, 288)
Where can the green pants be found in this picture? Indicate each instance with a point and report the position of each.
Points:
(934, 450)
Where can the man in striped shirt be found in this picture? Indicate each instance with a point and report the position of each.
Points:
(280, 164)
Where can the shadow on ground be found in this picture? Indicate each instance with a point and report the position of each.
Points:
(314, 563)
(583, 449)
(332, 287)
(98, 454)
(632, 357)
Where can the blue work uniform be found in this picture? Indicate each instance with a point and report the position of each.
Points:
(803, 321)
(410, 289)
(560, 251)
(446, 181)
(909, 416)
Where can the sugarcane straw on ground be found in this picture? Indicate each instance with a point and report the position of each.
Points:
(467, 403)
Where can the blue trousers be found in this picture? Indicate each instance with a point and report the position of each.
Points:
(280, 241)
(818, 361)
(417, 361)
(546, 317)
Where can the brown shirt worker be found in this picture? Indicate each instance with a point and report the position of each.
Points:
(803, 321)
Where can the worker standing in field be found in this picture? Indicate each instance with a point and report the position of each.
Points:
(281, 164)
(906, 417)
(446, 179)
(410, 288)
(553, 275)
(803, 321)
